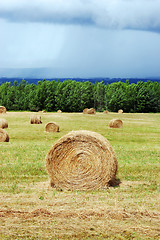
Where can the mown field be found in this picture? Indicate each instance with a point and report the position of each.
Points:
(31, 209)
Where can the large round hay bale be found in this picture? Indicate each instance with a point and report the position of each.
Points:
(59, 111)
(3, 123)
(85, 110)
(91, 111)
(3, 109)
(52, 127)
(81, 160)
(120, 111)
(116, 123)
(35, 119)
(4, 137)
(106, 111)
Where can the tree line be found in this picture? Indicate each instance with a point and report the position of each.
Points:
(73, 96)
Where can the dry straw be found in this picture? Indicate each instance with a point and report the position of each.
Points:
(3, 109)
(89, 111)
(81, 160)
(35, 119)
(106, 111)
(120, 111)
(85, 110)
(116, 123)
(3, 123)
(4, 137)
(59, 111)
(52, 127)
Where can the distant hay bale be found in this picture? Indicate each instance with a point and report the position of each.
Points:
(52, 127)
(91, 111)
(120, 111)
(35, 119)
(59, 111)
(81, 160)
(43, 111)
(106, 111)
(3, 123)
(4, 137)
(3, 109)
(116, 123)
(85, 110)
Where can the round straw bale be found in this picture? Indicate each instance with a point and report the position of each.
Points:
(35, 119)
(106, 111)
(52, 127)
(4, 137)
(85, 110)
(3, 109)
(3, 123)
(91, 111)
(59, 111)
(43, 111)
(81, 160)
(120, 111)
(116, 123)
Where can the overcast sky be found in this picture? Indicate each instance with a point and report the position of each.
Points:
(81, 38)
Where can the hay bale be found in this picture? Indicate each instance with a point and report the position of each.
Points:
(120, 111)
(3, 109)
(81, 160)
(91, 111)
(35, 119)
(4, 137)
(43, 111)
(59, 111)
(52, 127)
(3, 123)
(106, 111)
(85, 110)
(116, 123)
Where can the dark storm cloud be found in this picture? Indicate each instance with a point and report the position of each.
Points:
(115, 14)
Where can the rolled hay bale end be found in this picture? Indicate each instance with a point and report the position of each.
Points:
(35, 119)
(91, 111)
(59, 111)
(4, 137)
(81, 160)
(116, 123)
(120, 111)
(106, 111)
(3, 123)
(52, 127)
(3, 109)
(85, 110)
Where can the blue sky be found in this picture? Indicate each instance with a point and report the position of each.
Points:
(81, 38)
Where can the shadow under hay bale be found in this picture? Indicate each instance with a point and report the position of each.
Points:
(4, 137)
(116, 123)
(35, 119)
(3, 123)
(3, 109)
(81, 160)
(52, 127)
(120, 111)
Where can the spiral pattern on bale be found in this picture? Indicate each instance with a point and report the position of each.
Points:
(85, 110)
(116, 123)
(35, 119)
(81, 160)
(3, 123)
(3, 109)
(4, 137)
(120, 111)
(52, 127)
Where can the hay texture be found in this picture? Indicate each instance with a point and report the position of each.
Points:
(81, 160)
(3, 109)
(35, 119)
(59, 111)
(52, 127)
(120, 111)
(116, 123)
(85, 110)
(4, 137)
(91, 111)
(3, 123)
